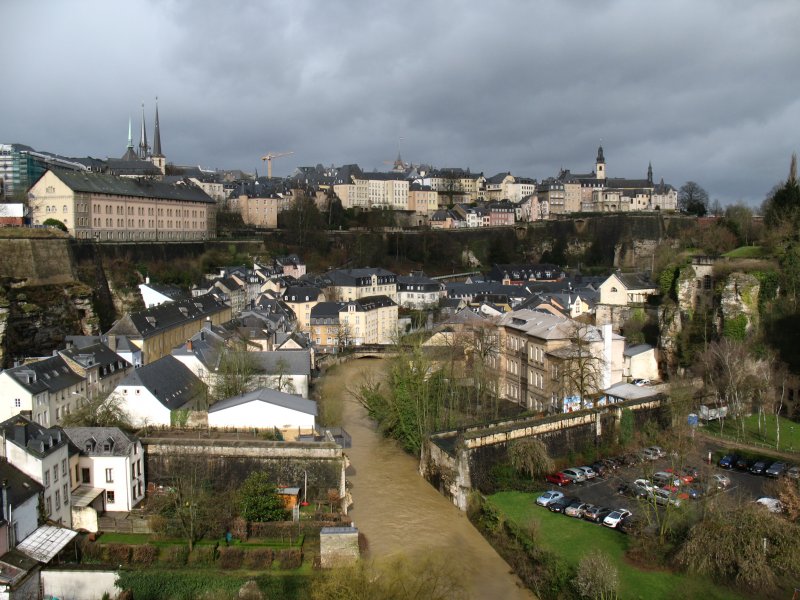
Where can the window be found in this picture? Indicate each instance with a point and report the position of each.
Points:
(47, 480)
(77, 475)
(55, 473)
(64, 467)
(58, 499)
(17, 403)
(109, 475)
(48, 505)
(110, 497)
(66, 494)
(86, 476)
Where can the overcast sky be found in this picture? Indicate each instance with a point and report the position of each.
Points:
(705, 90)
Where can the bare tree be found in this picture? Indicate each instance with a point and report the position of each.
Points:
(235, 375)
(530, 455)
(693, 199)
(281, 379)
(98, 411)
(597, 577)
(578, 367)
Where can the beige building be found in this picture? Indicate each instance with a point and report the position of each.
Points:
(381, 190)
(422, 199)
(260, 212)
(104, 207)
(540, 352)
(353, 284)
(302, 299)
(369, 320)
(626, 289)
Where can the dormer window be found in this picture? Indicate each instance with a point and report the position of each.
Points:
(90, 445)
(108, 445)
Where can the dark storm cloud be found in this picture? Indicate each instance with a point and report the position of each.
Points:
(706, 91)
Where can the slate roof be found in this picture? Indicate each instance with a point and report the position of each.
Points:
(538, 324)
(97, 355)
(637, 349)
(635, 281)
(418, 281)
(368, 303)
(268, 396)
(470, 290)
(50, 374)
(293, 362)
(156, 319)
(132, 165)
(32, 437)
(499, 178)
(325, 310)
(357, 277)
(170, 291)
(100, 183)
(301, 293)
(168, 380)
(93, 441)
(518, 272)
(207, 347)
(19, 486)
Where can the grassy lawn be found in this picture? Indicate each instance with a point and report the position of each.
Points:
(573, 538)
(746, 252)
(790, 432)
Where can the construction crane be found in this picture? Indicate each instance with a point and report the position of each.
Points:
(268, 159)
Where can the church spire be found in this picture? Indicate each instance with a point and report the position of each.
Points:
(650, 173)
(130, 135)
(157, 135)
(143, 147)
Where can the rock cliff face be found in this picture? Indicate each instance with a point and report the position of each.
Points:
(34, 320)
(739, 304)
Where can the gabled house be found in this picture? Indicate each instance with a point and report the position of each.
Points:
(154, 294)
(157, 330)
(19, 499)
(284, 370)
(151, 393)
(626, 289)
(43, 455)
(111, 461)
(265, 409)
(101, 367)
(45, 390)
(417, 290)
(352, 284)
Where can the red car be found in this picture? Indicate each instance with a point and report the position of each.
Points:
(558, 478)
(686, 475)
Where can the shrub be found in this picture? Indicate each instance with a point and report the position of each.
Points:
(119, 554)
(203, 555)
(597, 576)
(144, 554)
(231, 558)
(239, 528)
(175, 555)
(258, 558)
(290, 558)
(158, 525)
(92, 551)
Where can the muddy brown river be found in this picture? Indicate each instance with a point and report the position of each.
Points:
(396, 509)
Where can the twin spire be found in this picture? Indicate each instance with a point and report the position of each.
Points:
(144, 151)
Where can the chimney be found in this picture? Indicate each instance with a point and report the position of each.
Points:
(19, 432)
(189, 346)
(607, 355)
(147, 280)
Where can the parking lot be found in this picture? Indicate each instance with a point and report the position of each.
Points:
(603, 491)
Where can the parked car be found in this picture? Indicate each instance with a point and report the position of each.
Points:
(658, 450)
(577, 509)
(771, 504)
(743, 463)
(664, 497)
(562, 503)
(614, 517)
(596, 514)
(720, 481)
(629, 524)
(575, 474)
(649, 454)
(549, 497)
(630, 489)
(685, 474)
(588, 471)
(728, 461)
(760, 467)
(776, 469)
(662, 479)
(644, 484)
(599, 467)
(558, 479)
(793, 472)
(641, 382)
(691, 493)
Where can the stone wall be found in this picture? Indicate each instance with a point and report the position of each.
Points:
(338, 546)
(86, 585)
(37, 261)
(456, 462)
(287, 463)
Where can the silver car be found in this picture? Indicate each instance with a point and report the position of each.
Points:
(589, 472)
(575, 474)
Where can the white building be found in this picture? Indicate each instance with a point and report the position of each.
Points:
(265, 409)
(43, 455)
(112, 460)
(151, 393)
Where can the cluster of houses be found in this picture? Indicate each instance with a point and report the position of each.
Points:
(138, 197)
(164, 366)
